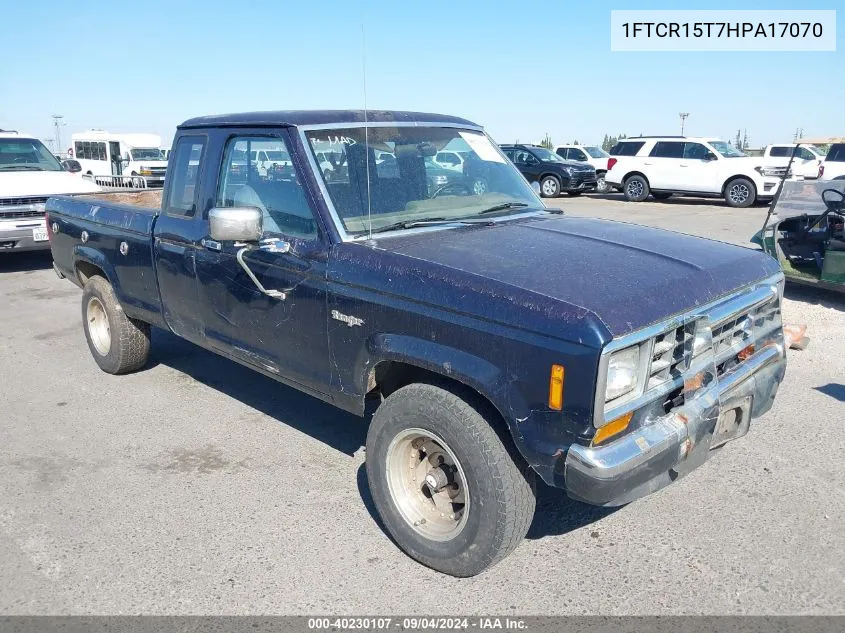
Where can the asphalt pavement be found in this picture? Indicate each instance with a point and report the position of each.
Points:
(198, 486)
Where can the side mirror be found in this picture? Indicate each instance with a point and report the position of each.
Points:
(240, 224)
(709, 156)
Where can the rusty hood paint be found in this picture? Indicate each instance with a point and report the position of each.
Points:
(628, 276)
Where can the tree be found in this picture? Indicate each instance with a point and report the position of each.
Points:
(547, 142)
(738, 141)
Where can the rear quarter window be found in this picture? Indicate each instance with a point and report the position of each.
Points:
(626, 148)
(836, 153)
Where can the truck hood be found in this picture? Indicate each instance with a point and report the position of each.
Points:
(36, 184)
(628, 276)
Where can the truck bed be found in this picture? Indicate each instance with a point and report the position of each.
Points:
(101, 234)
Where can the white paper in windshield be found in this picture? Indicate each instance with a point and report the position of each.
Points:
(482, 146)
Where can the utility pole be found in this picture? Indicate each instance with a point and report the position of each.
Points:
(683, 116)
(58, 123)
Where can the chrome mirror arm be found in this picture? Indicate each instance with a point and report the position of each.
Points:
(281, 295)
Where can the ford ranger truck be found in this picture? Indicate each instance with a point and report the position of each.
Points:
(493, 340)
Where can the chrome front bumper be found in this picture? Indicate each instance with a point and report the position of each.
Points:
(664, 450)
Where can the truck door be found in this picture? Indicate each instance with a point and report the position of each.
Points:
(177, 236)
(286, 337)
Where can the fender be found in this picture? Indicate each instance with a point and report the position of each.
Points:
(476, 373)
(93, 256)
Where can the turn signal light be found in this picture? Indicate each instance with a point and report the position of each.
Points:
(556, 388)
(612, 428)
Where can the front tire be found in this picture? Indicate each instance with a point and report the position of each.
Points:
(550, 187)
(636, 188)
(451, 491)
(740, 193)
(118, 343)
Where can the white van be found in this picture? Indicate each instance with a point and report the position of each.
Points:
(29, 174)
(104, 154)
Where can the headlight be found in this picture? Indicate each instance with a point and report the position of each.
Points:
(622, 372)
(568, 170)
(145, 172)
(772, 172)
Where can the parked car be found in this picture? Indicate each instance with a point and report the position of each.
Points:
(71, 165)
(493, 339)
(590, 154)
(451, 160)
(805, 233)
(805, 163)
(29, 174)
(550, 171)
(833, 166)
(706, 167)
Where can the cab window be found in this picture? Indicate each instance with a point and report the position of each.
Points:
(184, 174)
(275, 191)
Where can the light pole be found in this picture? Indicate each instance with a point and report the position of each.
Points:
(683, 116)
(58, 123)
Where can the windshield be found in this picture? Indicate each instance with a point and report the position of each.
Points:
(726, 150)
(596, 152)
(26, 154)
(546, 155)
(147, 153)
(410, 186)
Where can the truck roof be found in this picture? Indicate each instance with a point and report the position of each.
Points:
(320, 117)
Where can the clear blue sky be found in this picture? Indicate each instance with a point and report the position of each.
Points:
(521, 69)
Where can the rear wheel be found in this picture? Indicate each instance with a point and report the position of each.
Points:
(601, 183)
(636, 188)
(549, 187)
(451, 491)
(118, 343)
(740, 192)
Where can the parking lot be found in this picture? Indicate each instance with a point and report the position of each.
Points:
(199, 486)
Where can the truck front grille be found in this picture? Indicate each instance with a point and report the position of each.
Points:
(15, 208)
(671, 355)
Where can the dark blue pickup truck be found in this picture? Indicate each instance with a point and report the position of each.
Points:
(496, 340)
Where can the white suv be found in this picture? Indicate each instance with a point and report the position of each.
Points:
(833, 166)
(591, 155)
(707, 167)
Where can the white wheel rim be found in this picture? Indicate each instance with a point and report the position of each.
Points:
(416, 458)
(549, 187)
(739, 193)
(98, 326)
(635, 189)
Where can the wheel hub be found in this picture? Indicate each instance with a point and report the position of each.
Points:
(427, 484)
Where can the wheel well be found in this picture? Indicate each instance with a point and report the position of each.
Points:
(734, 177)
(633, 173)
(601, 171)
(389, 376)
(550, 175)
(86, 270)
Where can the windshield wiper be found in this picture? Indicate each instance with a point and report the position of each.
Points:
(503, 206)
(410, 224)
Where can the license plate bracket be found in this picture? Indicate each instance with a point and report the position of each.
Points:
(733, 421)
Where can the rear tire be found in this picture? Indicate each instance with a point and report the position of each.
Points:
(601, 183)
(550, 187)
(636, 188)
(740, 193)
(118, 343)
(422, 431)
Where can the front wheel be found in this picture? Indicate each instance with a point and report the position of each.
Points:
(740, 193)
(549, 187)
(449, 489)
(117, 343)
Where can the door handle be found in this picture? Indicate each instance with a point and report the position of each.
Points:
(645, 162)
(211, 245)
(683, 165)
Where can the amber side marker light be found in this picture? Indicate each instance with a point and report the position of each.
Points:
(746, 353)
(556, 388)
(612, 428)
